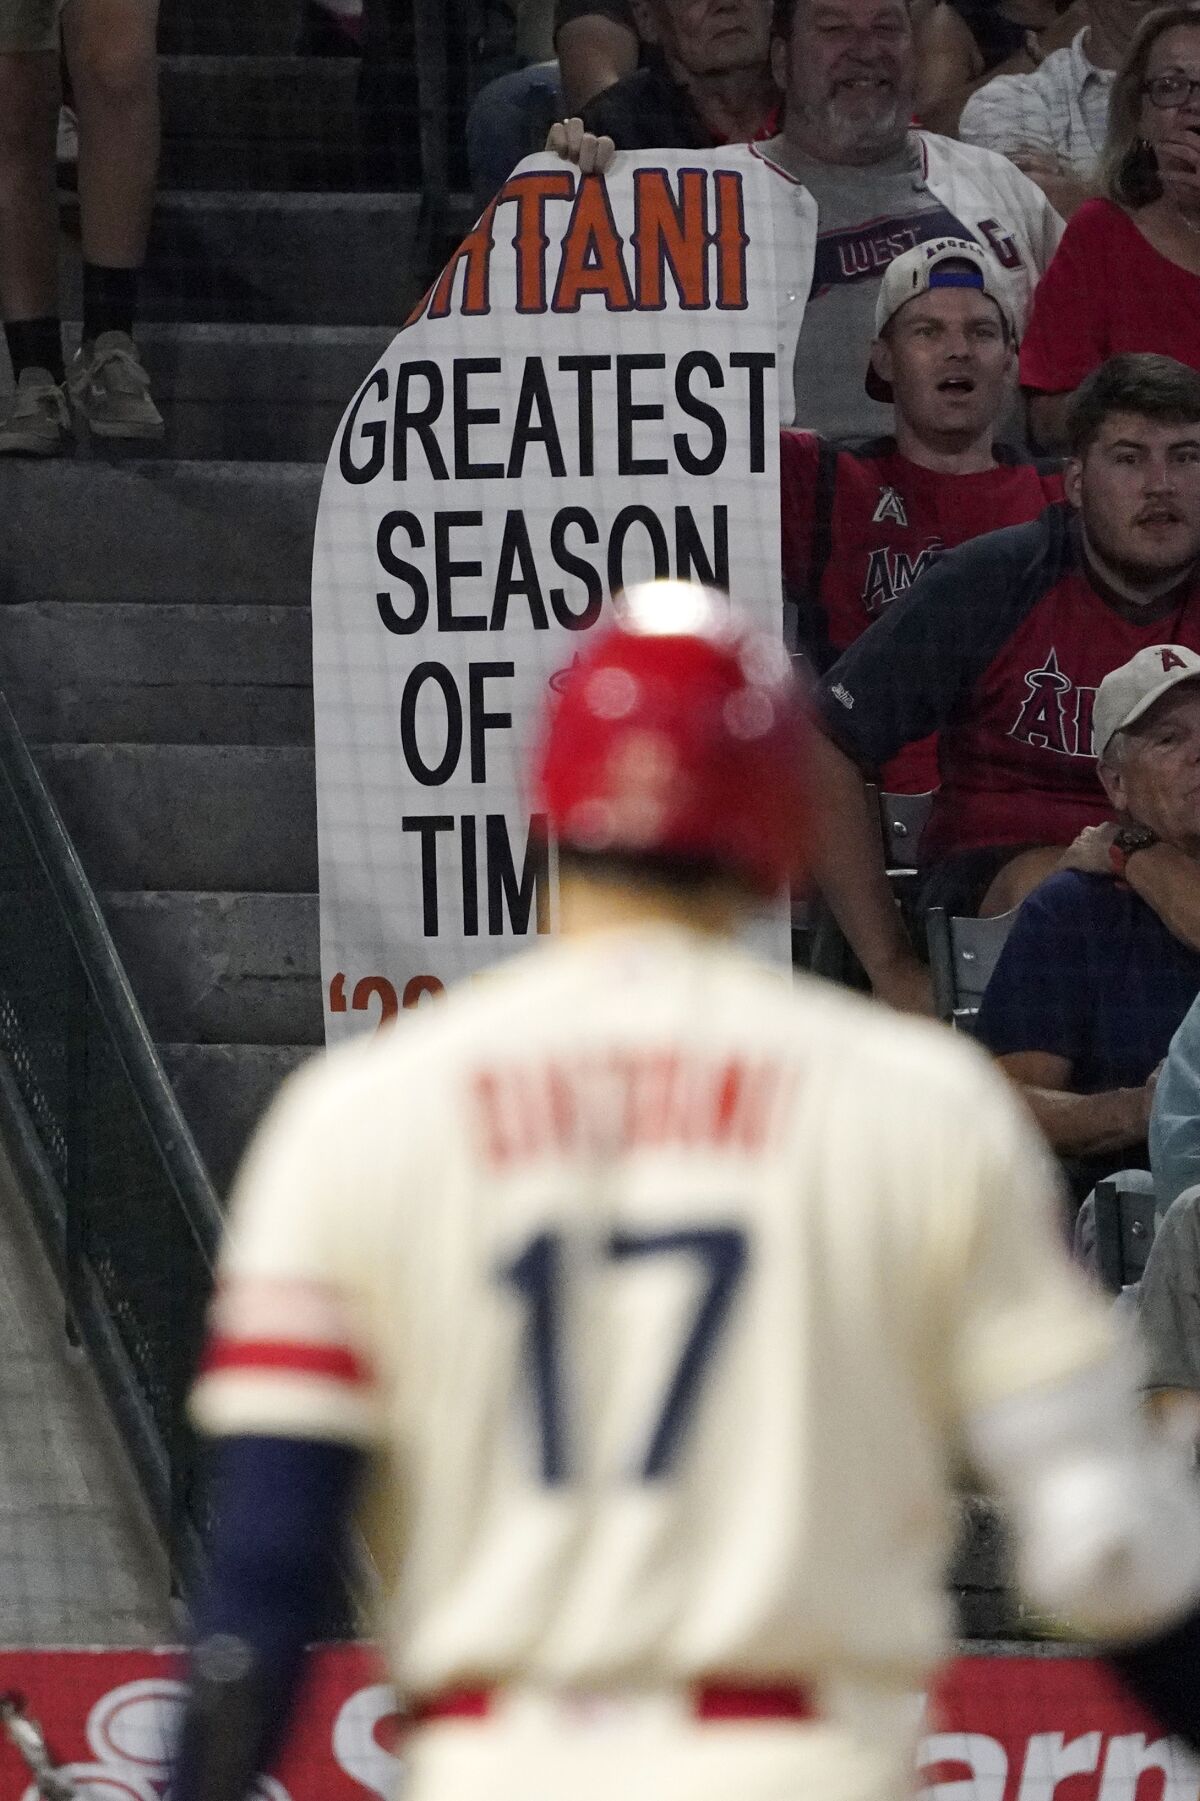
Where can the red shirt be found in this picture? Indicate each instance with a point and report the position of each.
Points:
(1107, 290)
(861, 524)
(1000, 649)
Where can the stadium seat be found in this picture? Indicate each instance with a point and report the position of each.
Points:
(1125, 1227)
(902, 819)
(962, 955)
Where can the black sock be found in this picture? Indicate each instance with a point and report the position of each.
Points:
(35, 344)
(109, 300)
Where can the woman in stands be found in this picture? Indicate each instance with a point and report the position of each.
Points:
(1126, 276)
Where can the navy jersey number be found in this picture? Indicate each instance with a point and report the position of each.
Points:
(537, 1275)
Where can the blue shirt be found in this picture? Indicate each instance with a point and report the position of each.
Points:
(1089, 972)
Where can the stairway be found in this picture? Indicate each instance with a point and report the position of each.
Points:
(154, 624)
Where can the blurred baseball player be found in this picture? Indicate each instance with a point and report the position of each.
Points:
(660, 1297)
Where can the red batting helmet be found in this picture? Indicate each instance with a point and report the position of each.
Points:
(680, 730)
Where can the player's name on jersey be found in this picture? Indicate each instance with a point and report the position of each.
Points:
(689, 233)
(620, 1100)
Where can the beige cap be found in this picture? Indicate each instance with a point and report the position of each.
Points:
(1127, 693)
(936, 264)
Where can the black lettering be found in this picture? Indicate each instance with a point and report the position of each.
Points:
(691, 461)
(574, 565)
(628, 414)
(465, 416)
(446, 572)
(374, 433)
(535, 397)
(585, 367)
(431, 775)
(480, 721)
(692, 561)
(470, 876)
(408, 420)
(506, 893)
(622, 525)
(428, 829)
(756, 363)
(515, 549)
(405, 572)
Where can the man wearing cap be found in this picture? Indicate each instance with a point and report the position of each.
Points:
(1103, 960)
(862, 522)
(1000, 649)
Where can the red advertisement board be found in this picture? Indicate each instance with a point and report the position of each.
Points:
(997, 1728)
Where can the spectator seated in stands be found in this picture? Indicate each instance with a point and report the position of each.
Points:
(963, 43)
(861, 523)
(1168, 1299)
(1103, 959)
(856, 187)
(1127, 274)
(1053, 122)
(596, 42)
(707, 79)
(1000, 648)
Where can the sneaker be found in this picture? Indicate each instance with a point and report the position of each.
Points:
(110, 390)
(35, 421)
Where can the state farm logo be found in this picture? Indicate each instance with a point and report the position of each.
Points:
(132, 1730)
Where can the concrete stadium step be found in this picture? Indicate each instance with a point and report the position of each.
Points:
(248, 393)
(229, 27)
(272, 258)
(286, 122)
(86, 530)
(224, 1089)
(130, 674)
(212, 968)
(257, 392)
(144, 816)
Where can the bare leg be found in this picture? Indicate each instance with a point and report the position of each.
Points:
(28, 203)
(1019, 878)
(110, 46)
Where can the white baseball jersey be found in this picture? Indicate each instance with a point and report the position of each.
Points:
(660, 1286)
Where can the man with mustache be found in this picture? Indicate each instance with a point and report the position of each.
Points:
(1000, 648)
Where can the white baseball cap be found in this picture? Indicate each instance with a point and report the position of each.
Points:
(939, 263)
(1127, 693)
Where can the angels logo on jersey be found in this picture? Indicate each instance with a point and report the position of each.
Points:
(890, 572)
(1055, 714)
(889, 506)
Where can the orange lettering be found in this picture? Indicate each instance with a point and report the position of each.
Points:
(592, 262)
(475, 252)
(531, 193)
(731, 241)
(670, 232)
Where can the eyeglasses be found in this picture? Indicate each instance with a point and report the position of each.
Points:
(1170, 90)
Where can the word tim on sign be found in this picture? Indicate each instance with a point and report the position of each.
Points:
(585, 398)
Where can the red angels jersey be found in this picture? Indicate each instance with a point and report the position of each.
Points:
(659, 1287)
(999, 649)
(861, 524)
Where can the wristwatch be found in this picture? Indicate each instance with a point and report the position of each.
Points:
(1127, 840)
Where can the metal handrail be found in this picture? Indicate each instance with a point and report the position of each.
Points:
(115, 1132)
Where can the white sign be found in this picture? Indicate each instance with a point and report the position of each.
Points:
(587, 397)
